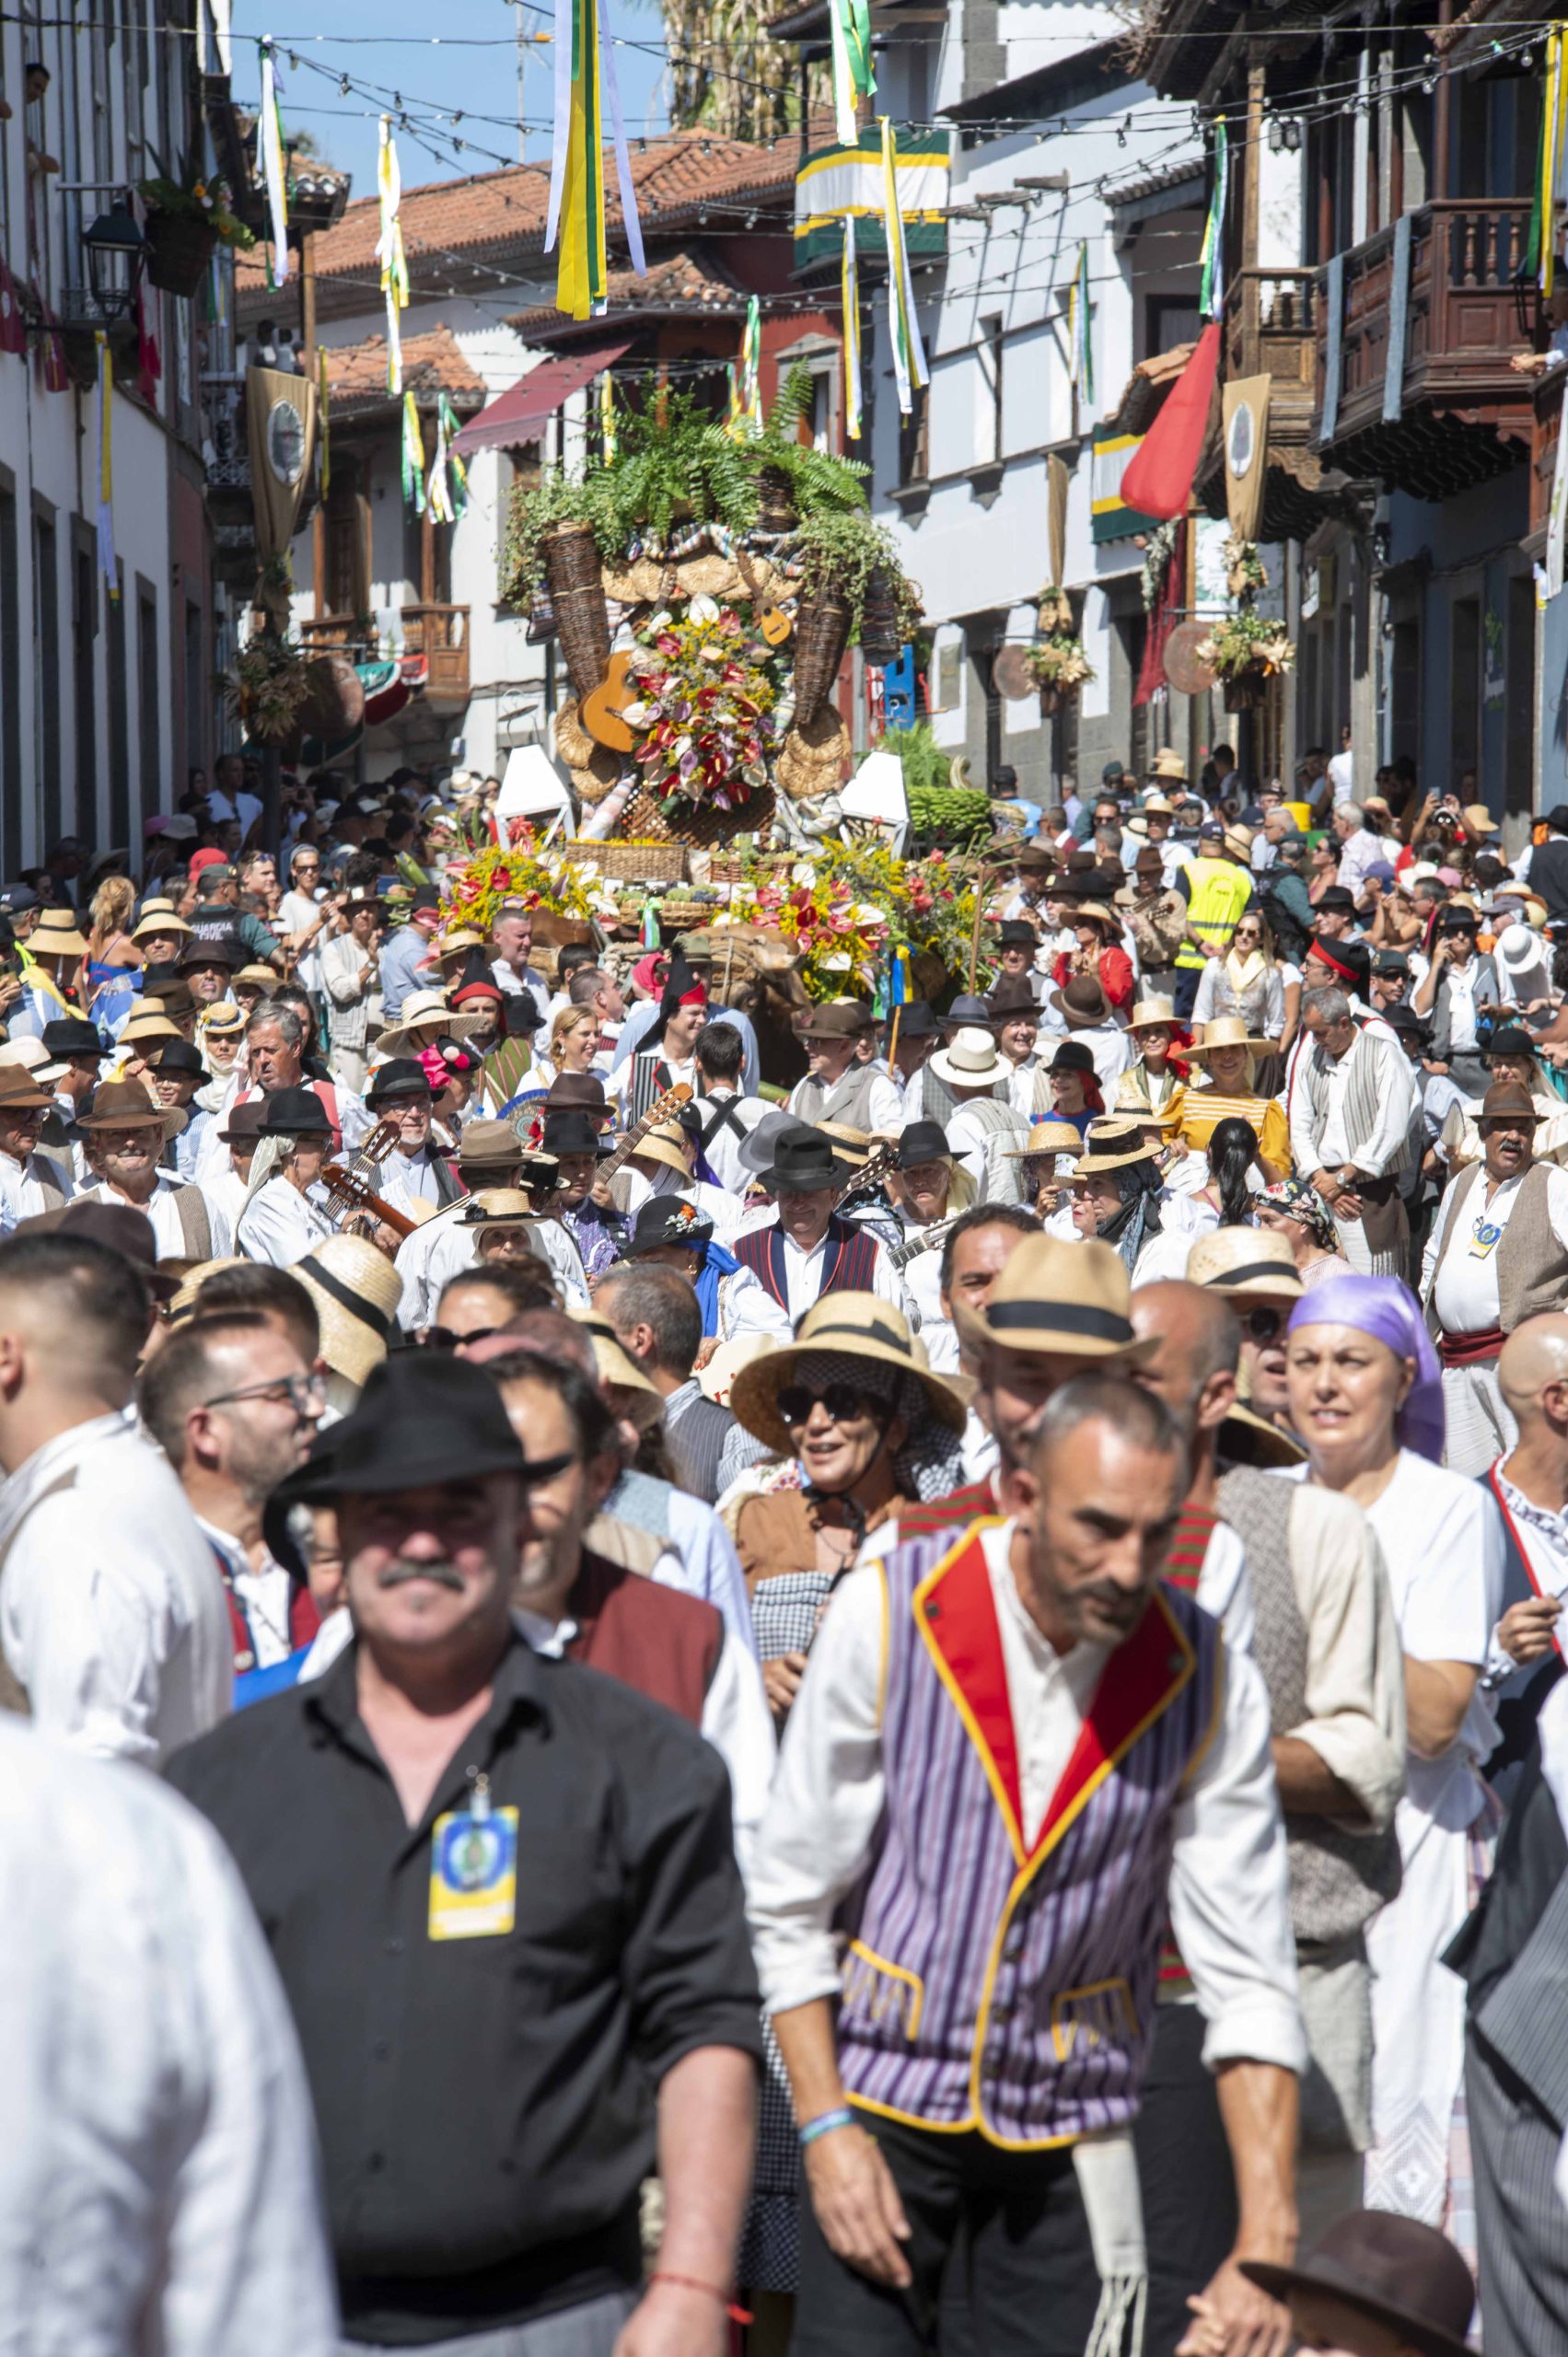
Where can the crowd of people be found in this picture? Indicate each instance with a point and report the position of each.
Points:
(909, 1707)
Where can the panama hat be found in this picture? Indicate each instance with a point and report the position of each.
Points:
(855, 1324)
(1391, 2270)
(496, 1207)
(1052, 1296)
(1150, 1010)
(1045, 1137)
(670, 1146)
(970, 1060)
(1157, 804)
(55, 936)
(1168, 762)
(1250, 1262)
(1478, 820)
(1228, 1031)
(158, 916)
(356, 1292)
(425, 1016)
(1115, 1144)
(716, 1379)
(34, 1057)
(125, 1105)
(143, 1029)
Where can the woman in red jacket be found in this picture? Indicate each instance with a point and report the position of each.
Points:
(1097, 931)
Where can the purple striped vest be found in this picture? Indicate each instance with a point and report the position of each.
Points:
(985, 1986)
(848, 1264)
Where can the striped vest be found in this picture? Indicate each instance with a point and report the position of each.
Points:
(848, 1264)
(989, 1986)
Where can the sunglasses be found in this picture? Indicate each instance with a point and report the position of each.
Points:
(443, 1337)
(843, 1401)
(1263, 1325)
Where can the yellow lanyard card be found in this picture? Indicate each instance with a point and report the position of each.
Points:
(474, 1875)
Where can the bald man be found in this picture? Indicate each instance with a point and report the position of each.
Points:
(1530, 1485)
(1328, 1645)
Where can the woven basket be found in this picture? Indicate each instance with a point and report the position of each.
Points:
(179, 249)
(633, 863)
(1245, 691)
(576, 594)
(645, 815)
(821, 634)
(775, 501)
(879, 640)
(684, 916)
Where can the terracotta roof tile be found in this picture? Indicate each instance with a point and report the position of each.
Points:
(672, 175)
(433, 362)
(684, 282)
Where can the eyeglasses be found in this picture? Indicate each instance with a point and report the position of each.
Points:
(446, 1337)
(1263, 1325)
(843, 1401)
(302, 1392)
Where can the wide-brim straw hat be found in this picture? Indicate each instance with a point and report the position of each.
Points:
(717, 1380)
(143, 1029)
(55, 936)
(426, 1017)
(1478, 820)
(183, 1302)
(1069, 1298)
(1169, 764)
(666, 1146)
(263, 978)
(1150, 1010)
(1253, 1263)
(1246, 1438)
(853, 1145)
(857, 1325)
(970, 1060)
(1228, 1031)
(1045, 1137)
(357, 1293)
(1115, 1144)
(1098, 914)
(159, 919)
(497, 1207)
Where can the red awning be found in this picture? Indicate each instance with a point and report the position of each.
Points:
(521, 412)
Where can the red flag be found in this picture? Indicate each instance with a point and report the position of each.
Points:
(1158, 481)
(149, 361)
(13, 334)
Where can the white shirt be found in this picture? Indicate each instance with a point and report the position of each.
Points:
(1543, 1542)
(158, 2185)
(163, 1208)
(282, 1226)
(1461, 981)
(1359, 853)
(1463, 1288)
(1395, 1095)
(406, 1178)
(804, 1272)
(22, 1185)
(264, 1596)
(1229, 1897)
(745, 1306)
(112, 1609)
(735, 1721)
(723, 1149)
(1341, 772)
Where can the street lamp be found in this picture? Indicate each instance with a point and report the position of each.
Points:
(116, 250)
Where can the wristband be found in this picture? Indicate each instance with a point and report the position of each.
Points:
(825, 2122)
(694, 2283)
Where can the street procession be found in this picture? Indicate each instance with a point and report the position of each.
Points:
(783, 1181)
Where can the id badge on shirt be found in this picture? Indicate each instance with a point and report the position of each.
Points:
(473, 1871)
(1485, 1237)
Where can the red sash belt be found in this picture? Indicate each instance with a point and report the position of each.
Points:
(1470, 1349)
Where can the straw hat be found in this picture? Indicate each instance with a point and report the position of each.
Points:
(573, 744)
(811, 757)
(1115, 1144)
(1098, 914)
(717, 1380)
(971, 1059)
(55, 936)
(459, 943)
(1254, 1263)
(426, 1017)
(1169, 764)
(356, 1292)
(667, 1146)
(1072, 1299)
(183, 1301)
(143, 1029)
(853, 1145)
(1045, 1137)
(497, 1207)
(1478, 820)
(1156, 803)
(855, 1325)
(1229, 1031)
(264, 978)
(34, 1058)
(157, 916)
(1150, 1010)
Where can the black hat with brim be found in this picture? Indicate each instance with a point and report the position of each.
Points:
(295, 1113)
(805, 1163)
(72, 1037)
(398, 1076)
(923, 1142)
(915, 1020)
(1073, 1055)
(572, 1132)
(1382, 2265)
(179, 1055)
(666, 1220)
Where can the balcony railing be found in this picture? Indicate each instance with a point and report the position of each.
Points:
(1466, 313)
(436, 636)
(1270, 330)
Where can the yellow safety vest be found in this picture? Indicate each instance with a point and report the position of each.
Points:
(1218, 891)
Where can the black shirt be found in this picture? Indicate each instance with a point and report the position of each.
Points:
(487, 2105)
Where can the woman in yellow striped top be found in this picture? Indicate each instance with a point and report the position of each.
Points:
(1224, 1058)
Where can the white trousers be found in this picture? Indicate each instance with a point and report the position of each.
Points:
(1479, 1427)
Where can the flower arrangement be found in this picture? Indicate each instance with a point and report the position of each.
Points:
(1245, 573)
(1246, 645)
(849, 904)
(198, 199)
(516, 871)
(704, 709)
(1059, 664)
(1159, 547)
(267, 689)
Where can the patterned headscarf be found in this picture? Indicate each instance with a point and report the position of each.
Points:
(1389, 1312)
(1296, 1200)
(930, 1463)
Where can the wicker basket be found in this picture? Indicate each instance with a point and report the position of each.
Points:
(179, 247)
(1053, 701)
(775, 501)
(707, 824)
(685, 916)
(576, 596)
(821, 634)
(1245, 691)
(879, 640)
(645, 862)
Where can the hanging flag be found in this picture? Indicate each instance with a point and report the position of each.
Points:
(607, 418)
(850, 29)
(413, 457)
(457, 472)
(849, 298)
(1541, 258)
(13, 332)
(752, 363)
(274, 170)
(1557, 513)
(1078, 332)
(1211, 261)
(437, 498)
(324, 408)
(732, 423)
(909, 352)
(149, 359)
(390, 253)
(106, 559)
(1158, 478)
(50, 349)
(584, 75)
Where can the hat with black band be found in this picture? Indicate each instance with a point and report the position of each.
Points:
(1072, 1299)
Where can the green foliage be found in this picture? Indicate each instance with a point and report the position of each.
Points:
(672, 465)
(924, 763)
(840, 551)
(820, 482)
(535, 510)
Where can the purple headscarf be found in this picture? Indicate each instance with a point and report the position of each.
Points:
(1389, 1312)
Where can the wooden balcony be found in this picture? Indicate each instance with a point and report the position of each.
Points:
(1270, 330)
(434, 649)
(1460, 414)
